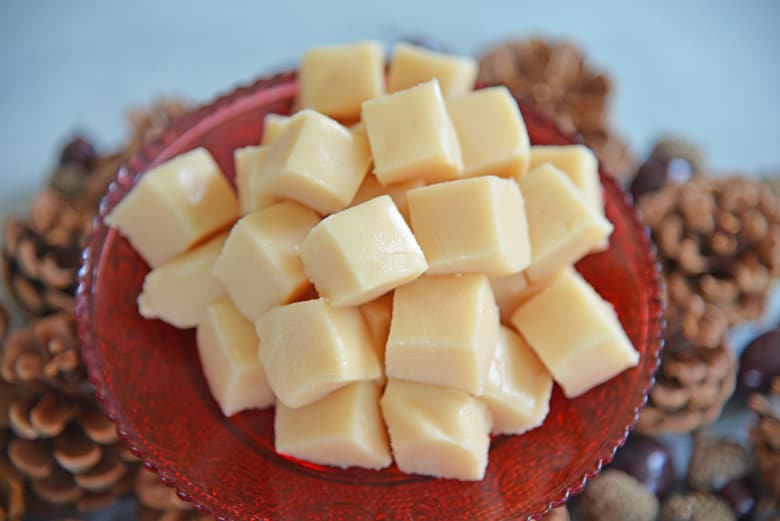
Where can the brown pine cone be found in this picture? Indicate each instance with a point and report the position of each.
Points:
(4, 321)
(718, 239)
(557, 514)
(160, 502)
(697, 373)
(59, 438)
(714, 462)
(696, 506)
(147, 123)
(765, 436)
(616, 496)
(554, 77)
(46, 352)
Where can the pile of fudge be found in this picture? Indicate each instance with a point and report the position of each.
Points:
(393, 270)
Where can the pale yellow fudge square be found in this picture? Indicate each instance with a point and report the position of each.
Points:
(249, 163)
(411, 65)
(491, 132)
(437, 431)
(259, 265)
(174, 206)
(579, 163)
(443, 332)
(377, 315)
(309, 349)
(562, 226)
(273, 124)
(519, 386)
(412, 136)
(335, 80)
(358, 254)
(576, 334)
(180, 290)
(343, 429)
(471, 225)
(371, 188)
(228, 345)
(511, 291)
(315, 161)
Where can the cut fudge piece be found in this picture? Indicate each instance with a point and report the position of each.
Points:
(412, 136)
(335, 80)
(436, 431)
(179, 291)
(579, 163)
(273, 124)
(343, 429)
(377, 315)
(519, 386)
(413, 65)
(443, 331)
(174, 206)
(491, 133)
(310, 349)
(562, 226)
(371, 188)
(249, 163)
(316, 162)
(259, 265)
(471, 225)
(576, 334)
(358, 254)
(512, 291)
(227, 345)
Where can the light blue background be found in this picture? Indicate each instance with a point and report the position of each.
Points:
(709, 70)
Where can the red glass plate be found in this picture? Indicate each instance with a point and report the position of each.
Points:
(150, 380)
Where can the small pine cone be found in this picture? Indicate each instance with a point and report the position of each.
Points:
(616, 496)
(696, 377)
(696, 506)
(147, 123)
(765, 436)
(555, 78)
(47, 351)
(41, 256)
(557, 514)
(67, 450)
(718, 239)
(715, 462)
(4, 321)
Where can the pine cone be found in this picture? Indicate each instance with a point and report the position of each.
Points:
(697, 373)
(147, 123)
(557, 514)
(696, 506)
(616, 496)
(45, 353)
(765, 436)
(714, 462)
(160, 502)
(59, 438)
(718, 239)
(554, 77)
(4, 320)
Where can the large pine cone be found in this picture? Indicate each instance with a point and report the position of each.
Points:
(766, 438)
(59, 438)
(554, 77)
(718, 239)
(697, 374)
(41, 254)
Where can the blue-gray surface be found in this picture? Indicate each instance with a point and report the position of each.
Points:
(706, 69)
